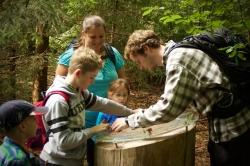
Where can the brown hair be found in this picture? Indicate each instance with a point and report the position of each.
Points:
(88, 22)
(93, 20)
(119, 83)
(138, 39)
(85, 59)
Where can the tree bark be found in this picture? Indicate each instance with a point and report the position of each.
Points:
(8, 74)
(40, 80)
(113, 28)
(13, 73)
(177, 148)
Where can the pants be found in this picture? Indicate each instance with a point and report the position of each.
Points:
(90, 152)
(235, 152)
(44, 163)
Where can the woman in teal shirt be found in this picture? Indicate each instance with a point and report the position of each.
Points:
(93, 36)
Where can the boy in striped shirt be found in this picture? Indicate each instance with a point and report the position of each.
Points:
(67, 138)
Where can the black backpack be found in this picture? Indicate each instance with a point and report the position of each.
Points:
(108, 49)
(236, 66)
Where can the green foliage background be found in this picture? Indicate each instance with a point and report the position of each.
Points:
(171, 19)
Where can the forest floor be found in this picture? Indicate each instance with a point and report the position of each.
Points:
(145, 98)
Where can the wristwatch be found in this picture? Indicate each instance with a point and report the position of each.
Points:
(126, 121)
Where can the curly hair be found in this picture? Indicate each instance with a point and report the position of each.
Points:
(138, 39)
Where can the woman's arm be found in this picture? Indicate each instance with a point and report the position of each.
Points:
(121, 73)
(61, 70)
(119, 64)
(63, 62)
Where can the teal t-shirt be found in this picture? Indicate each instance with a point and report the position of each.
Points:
(102, 81)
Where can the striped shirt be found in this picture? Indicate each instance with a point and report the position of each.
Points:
(192, 76)
(65, 121)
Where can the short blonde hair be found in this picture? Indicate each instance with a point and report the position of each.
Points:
(85, 59)
(138, 39)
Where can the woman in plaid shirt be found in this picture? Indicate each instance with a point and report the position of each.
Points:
(191, 77)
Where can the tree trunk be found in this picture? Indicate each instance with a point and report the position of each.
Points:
(176, 147)
(40, 81)
(113, 28)
(8, 74)
(13, 74)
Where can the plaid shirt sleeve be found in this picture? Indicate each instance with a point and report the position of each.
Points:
(180, 88)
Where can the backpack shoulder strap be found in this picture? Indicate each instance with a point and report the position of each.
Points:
(110, 53)
(66, 98)
(203, 43)
(61, 93)
(72, 43)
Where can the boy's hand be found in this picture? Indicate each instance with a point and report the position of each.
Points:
(100, 128)
(119, 124)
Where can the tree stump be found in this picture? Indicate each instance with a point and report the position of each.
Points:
(168, 144)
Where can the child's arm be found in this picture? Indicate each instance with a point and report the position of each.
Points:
(101, 104)
(99, 128)
(57, 123)
(107, 118)
(99, 118)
